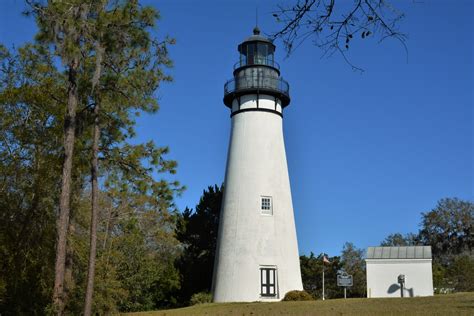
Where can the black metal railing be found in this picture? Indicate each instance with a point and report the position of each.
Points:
(255, 62)
(260, 82)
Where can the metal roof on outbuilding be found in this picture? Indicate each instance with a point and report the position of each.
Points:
(405, 252)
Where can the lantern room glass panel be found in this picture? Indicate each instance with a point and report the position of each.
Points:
(257, 53)
(262, 52)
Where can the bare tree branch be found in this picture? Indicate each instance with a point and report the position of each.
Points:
(333, 27)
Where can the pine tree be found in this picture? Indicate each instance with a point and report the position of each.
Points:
(64, 24)
(114, 67)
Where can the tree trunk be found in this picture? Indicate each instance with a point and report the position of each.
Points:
(64, 200)
(94, 214)
(69, 282)
(95, 186)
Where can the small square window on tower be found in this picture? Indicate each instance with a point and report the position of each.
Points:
(266, 205)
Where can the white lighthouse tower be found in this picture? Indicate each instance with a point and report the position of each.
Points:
(257, 252)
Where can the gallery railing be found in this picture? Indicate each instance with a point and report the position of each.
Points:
(261, 82)
(256, 61)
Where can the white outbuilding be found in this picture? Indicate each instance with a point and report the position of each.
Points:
(399, 271)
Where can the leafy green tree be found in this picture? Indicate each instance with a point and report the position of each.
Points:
(352, 260)
(398, 239)
(197, 231)
(439, 276)
(136, 253)
(461, 273)
(448, 228)
(311, 274)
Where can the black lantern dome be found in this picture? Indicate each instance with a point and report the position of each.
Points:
(256, 50)
(256, 72)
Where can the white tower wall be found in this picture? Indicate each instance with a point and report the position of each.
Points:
(249, 239)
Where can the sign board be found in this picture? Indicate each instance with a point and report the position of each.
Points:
(344, 279)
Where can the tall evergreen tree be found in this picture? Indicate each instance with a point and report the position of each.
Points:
(197, 230)
(32, 92)
(63, 24)
(33, 86)
(99, 56)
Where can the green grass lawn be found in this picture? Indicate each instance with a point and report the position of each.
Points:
(452, 304)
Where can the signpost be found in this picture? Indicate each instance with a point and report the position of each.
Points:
(345, 280)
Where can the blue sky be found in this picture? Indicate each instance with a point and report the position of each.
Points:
(367, 153)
